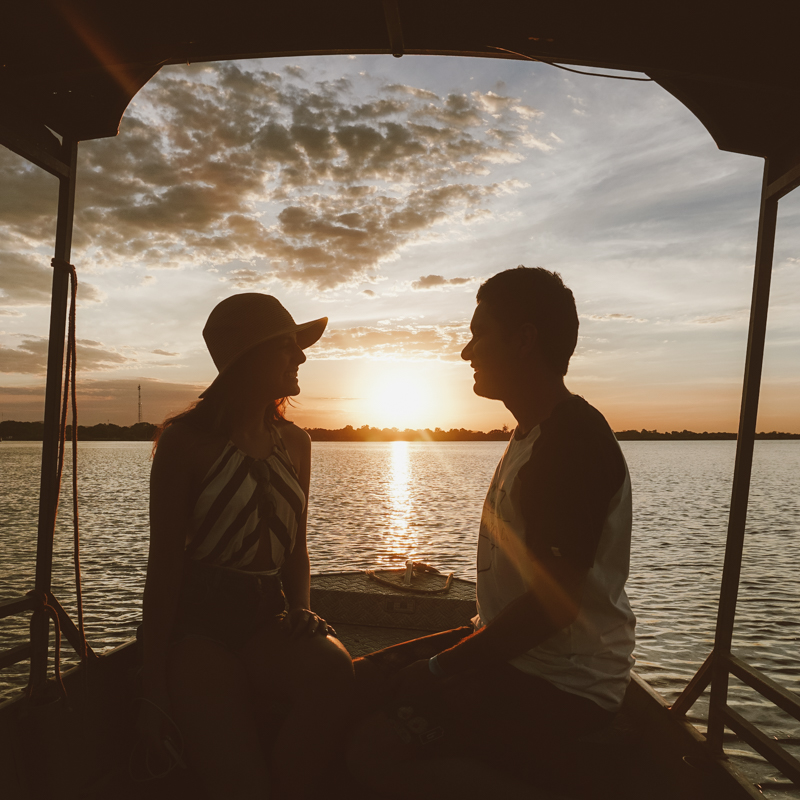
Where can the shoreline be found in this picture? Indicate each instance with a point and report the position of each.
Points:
(11, 430)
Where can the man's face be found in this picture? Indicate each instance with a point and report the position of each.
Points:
(491, 353)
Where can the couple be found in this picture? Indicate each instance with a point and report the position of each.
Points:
(468, 713)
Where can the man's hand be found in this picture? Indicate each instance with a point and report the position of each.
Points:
(304, 622)
(416, 678)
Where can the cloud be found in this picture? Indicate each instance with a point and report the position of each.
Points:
(26, 279)
(714, 319)
(441, 342)
(439, 282)
(612, 318)
(30, 357)
(309, 183)
(164, 353)
(369, 293)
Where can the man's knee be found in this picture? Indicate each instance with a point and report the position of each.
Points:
(324, 661)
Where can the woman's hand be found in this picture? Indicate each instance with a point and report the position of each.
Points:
(304, 622)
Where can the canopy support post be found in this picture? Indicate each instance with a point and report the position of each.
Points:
(49, 488)
(737, 519)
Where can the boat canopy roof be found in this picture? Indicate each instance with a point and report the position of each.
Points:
(74, 65)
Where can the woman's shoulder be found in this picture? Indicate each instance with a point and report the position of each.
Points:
(185, 445)
(294, 435)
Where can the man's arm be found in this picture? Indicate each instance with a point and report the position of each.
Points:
(550, 605)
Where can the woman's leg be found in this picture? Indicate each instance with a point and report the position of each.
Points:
(315, 675)
(213, 709)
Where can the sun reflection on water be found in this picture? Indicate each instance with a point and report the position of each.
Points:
(400, 538)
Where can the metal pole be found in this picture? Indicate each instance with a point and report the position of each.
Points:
(744, 461)
(48, 491)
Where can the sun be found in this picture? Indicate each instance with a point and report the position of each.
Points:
(398, 397)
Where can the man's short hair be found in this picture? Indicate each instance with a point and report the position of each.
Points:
(537, 296)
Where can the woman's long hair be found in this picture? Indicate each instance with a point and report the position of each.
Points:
(211, 413)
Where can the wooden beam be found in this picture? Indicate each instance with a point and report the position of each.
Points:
(15, 654)
(694, 688)
(740, 492)
(769, 748)
(18, 605)
(35, 143)
(786, 183)
(49, 482)
(394, 26)
(766, 687)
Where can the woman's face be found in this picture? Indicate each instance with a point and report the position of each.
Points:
(270, 368)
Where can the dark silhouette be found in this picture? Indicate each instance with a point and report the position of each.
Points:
(229, 641)
(489, 712)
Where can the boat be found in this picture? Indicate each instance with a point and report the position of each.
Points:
(69, 69)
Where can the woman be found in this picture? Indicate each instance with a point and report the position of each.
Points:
(228, 508)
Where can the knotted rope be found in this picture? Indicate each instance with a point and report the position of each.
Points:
(69, 391)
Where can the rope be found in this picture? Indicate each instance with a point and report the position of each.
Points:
(372, 575)
(69, 392)
(53, 614)
(570, 69)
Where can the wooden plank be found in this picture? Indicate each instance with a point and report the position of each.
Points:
(694, 688)
(667, 733)
(35, 143)
(766, 687)
(787, 182)
(742, 470)
(15, 654)
(761, 743)
(18, 605)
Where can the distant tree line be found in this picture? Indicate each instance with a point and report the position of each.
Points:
(683, 436)
(145, 431)
(105, 432)
(367, 434)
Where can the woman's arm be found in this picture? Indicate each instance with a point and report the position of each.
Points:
(170, 509)
(296, 572)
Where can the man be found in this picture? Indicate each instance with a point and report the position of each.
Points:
(550, 656)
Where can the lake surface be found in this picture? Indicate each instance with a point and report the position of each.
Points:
(377, 504)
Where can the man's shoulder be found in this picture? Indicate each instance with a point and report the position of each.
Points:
(576, 427)
(577, 444)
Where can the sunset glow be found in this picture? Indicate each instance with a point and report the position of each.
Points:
(380, 193)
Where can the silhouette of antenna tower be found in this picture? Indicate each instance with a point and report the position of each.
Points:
(140, 403)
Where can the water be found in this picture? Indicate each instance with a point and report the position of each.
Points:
(377, 504)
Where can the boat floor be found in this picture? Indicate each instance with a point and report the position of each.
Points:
(50, 751)
(624, 762)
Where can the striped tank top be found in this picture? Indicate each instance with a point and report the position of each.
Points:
(246, 504)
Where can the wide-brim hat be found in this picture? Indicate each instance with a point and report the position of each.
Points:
(242, 321)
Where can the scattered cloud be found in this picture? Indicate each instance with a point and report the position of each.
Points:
(439, 282)
(164, 353)
(26, 279)
(612, 318)
(355, 178)
(30, 357)
(441, 342)
(714, 319)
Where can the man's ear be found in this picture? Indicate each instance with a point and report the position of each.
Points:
(528, 338)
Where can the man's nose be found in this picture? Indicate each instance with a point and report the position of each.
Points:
(300, 356)
(466, 353)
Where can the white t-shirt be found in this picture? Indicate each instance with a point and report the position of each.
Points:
(563, 491)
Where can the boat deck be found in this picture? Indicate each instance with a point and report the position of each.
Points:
(52, 751)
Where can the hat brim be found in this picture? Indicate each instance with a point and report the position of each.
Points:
(307, 333)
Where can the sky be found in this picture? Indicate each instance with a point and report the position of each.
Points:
(380, 192)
